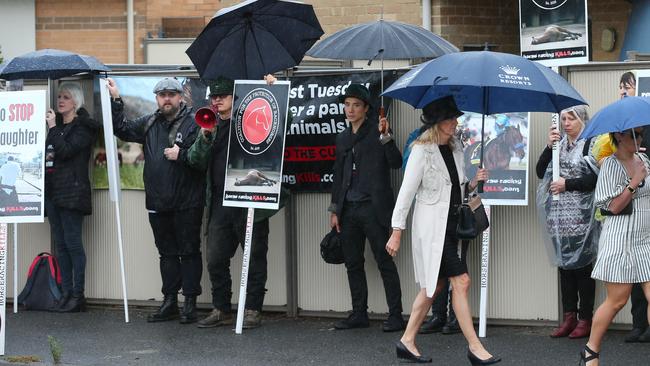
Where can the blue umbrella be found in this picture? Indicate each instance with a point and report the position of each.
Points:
(255, 38)
(384, 39)
(622, 115)
(49, 64)
(486, 82)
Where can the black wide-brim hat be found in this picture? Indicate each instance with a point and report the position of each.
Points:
(439, 110)
(356, 91)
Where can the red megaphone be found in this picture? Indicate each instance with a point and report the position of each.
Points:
(206, 117)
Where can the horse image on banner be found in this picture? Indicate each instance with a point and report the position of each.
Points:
(505, 154)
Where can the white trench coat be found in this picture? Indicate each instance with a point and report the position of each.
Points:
(427, 180)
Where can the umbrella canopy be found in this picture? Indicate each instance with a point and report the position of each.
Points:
(255, 38)
(49, 64)
(386, 39)
(486, 82)
(619, 116)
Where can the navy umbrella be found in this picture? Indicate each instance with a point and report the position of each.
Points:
(255, 38)
(384, 39)
(622, 115)
(49, 64)
(486, 82)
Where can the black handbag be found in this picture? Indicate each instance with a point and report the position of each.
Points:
(330, 248)
(472, 219)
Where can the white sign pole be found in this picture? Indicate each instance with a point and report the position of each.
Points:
(485, 270)
(15, 268)
(112, 164)
(244, 271)
(555, 123)
(3, 285)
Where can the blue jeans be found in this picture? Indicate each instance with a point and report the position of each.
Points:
(65, 226)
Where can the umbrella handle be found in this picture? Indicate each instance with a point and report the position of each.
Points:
(382, 114)
(479, 188)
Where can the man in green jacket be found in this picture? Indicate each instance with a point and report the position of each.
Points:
(227, 225)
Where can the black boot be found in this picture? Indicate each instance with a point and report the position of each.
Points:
(65, 297)
(452, 326)
(189, 310)
(76, 303)
(168, 310)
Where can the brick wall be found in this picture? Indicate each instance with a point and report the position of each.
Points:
(99, 27)
(608, 14)
(474, 22)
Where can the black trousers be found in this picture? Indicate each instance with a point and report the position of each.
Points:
(442, 302)
(358, 223)
(226, 232)
(577, 284)
(178, 240)
(639, 307)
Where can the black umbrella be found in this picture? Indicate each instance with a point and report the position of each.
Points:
(382, 39)
(255, 38)
(49, 64)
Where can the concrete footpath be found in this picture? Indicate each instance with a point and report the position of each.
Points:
(100, 337)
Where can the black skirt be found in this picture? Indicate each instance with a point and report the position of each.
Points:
(452, 263)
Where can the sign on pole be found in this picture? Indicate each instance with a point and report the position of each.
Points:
(22, 150)
(112, 164)
(254, 163)
(554, 32)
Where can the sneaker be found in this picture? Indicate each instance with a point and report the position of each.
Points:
(252, 319)
(433, 325)
(215, 319)
(394, 323)
(355, 320)
(634, 335)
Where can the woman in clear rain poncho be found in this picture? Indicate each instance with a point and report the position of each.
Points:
(571, 234)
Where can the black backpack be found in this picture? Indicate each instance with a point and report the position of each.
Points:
(43, 288)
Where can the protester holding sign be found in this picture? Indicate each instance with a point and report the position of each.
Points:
(174, 192)
(69, 142)
(361, 205)
(572, 232)
(227, 225)
(435, 179)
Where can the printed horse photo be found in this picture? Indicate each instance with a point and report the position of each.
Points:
(498, 151)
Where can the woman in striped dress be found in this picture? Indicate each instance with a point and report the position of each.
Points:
(624, 246)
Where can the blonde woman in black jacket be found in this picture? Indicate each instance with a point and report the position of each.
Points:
(71, 135)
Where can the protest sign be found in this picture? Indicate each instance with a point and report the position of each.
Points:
(256, 144)
(554, 32)
(22, 150)
(505, 155)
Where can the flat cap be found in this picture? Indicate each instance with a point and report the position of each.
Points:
(168, 84)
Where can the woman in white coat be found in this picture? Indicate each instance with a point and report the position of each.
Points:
(435, 177)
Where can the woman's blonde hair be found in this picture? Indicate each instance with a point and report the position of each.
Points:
(432, 136)
(75, 92)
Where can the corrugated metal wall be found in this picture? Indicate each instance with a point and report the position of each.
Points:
(103, 279)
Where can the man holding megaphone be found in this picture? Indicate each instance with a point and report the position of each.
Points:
(227, 225)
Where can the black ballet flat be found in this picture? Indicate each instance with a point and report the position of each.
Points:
(477, 361)
(404, 354)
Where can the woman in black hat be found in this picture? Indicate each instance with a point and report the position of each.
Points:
(435, 177)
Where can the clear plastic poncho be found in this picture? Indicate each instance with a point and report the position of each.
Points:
(571, 235)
